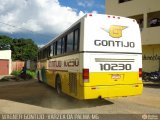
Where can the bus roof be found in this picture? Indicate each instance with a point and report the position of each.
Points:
(79, 20)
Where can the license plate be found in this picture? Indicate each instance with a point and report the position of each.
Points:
(116, 76)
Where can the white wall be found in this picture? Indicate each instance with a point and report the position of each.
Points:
(5, 54)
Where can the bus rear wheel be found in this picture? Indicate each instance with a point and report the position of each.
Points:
(58, 86)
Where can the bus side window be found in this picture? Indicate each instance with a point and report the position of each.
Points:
(63, 45)
(70, 42)
(48, 51)
(76, 39)
(59, 47)
(55, 48)
(51, 50)
(43, 53)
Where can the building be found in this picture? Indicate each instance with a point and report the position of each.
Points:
(147, 14)
(5, 62)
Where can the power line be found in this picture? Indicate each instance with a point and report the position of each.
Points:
(24, 29)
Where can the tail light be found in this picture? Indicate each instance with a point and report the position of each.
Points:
(85, 75)
(90, 14)
(140, 73)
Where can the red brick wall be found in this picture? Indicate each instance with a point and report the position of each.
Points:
(4, 67)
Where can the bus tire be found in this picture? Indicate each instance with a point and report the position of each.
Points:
(58, 85)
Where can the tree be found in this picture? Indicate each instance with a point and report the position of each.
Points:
(5, 42)
(5, 39)
(22, 49)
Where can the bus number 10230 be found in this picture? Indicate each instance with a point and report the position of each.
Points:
(107, 67)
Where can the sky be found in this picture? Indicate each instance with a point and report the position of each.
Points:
(42, 20)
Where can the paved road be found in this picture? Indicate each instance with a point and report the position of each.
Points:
(34, 97)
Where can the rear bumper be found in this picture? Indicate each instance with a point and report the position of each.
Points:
(112, 91)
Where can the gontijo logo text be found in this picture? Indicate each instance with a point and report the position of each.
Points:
(115, 31)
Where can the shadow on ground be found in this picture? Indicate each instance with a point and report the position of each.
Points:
(38, 94)
(152, 84)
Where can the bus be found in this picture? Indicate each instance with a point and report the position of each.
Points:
(99, 56)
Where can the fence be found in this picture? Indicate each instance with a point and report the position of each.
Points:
(17, 65)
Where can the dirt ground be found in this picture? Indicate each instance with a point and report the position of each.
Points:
(33, 97)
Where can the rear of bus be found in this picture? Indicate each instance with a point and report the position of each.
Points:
(112, 57)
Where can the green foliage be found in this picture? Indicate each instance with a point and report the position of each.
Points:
(29, 74)
(32, 74)
(16, 72)
(22, 49)
(5, 39)
(5, 42)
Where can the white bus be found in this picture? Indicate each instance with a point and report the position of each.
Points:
(99, 56)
